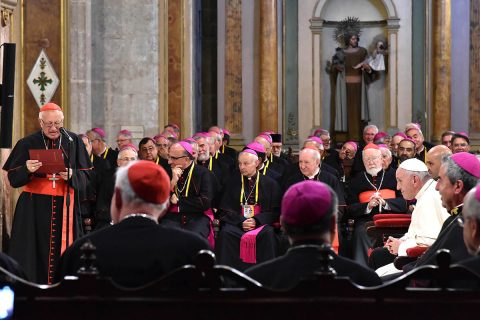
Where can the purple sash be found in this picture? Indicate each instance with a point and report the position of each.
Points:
(248, 245)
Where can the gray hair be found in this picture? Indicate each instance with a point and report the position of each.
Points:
(455, 173)
(127, 148)
(40, 114)
(471, 205)
(128, 195)
(370, 126)
(424, 176)
(314, 153)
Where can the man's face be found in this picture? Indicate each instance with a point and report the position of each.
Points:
(445, 188)
(122, 141)
(347, 151)
(277, 148)
(51, 122)
(217, 143)
(87, 144)
(372, 159)
(405, 184)
(406, 150)
(247, 164)
(307, 163)
(417, 137)
(394, 145)
(460, 145)
(125, 156)
(203, 149)
(386, 158)
(326, 141)
(368, 135)
(162, 145)
(177, 157)
(97, 145)
(447, 140)
(148, 151)
(266, 145)
(433, 164)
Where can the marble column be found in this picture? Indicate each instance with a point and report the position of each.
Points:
(441, 68)
(268, 66)
(474, 90)
(233, 69)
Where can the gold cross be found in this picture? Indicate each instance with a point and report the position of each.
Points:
(53, 179)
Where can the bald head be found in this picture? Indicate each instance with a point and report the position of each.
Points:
(434, 159)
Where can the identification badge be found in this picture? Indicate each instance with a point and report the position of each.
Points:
(248, 210)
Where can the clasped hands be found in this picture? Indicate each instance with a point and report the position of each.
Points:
(34, 165)
(249, 224)
(376, 200)
(392, 245)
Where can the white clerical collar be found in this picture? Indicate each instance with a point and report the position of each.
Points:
(140, 215)
(314, 174)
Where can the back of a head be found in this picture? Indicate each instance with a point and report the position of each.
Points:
(307, 209)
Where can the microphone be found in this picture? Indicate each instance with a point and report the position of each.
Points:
(62, 130)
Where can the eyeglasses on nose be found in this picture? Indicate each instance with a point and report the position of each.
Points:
(56, 124)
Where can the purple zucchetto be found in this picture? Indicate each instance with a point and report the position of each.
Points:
(256, 146)
(316, 139)
(187, 146)
(353, 144)
(250, 151)
(400, 134)
(467, 162)
(306, 202)
(99, 131)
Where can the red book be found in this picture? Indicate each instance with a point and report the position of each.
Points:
(51, 159)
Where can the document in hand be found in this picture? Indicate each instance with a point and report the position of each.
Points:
(51, 159)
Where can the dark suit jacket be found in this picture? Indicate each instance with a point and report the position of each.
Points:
(135, 251)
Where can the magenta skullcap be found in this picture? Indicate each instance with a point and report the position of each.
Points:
(382, 145)
(468, 162)
(353, 144)
(315, 139)
(380, 135)
(306, 202)
(190, 140)
(187, 146)
(130, 146)
(266, 136)
(125, 132)
(226, 132)
(400, 134)
(247, 150)
(256, 146)
(99, 131)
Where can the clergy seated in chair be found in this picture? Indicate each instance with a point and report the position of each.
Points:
(137, 250)
(458, 174)
(309, 211)
(193, 188)
(471, 231)
(414, 182)
(249, 206)
(370, 192)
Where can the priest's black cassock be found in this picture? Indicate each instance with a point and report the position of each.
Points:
(104, 171)
(360, 188)
(195, 196)
(231, 216)
(220, 173)
(38, 224)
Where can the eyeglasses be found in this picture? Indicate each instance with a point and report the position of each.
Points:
(56, 124)
(127, 159)
(161, 145)
(176, 158)
(372, 159)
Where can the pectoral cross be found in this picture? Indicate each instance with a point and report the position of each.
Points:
(53, 179)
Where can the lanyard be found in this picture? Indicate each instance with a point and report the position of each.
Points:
(223, 148)
(210, 165)
(187, 183)
(91, 158)
(216, 154)
(381, 181)
(105, 154)
(158, 159)
(266, 167)
(242, 193)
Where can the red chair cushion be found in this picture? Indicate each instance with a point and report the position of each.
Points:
(391, 216)
(390, 223)
(416, 251)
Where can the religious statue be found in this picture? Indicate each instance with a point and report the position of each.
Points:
(350, 74)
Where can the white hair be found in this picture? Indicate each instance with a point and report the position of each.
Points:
(255, 157)
(370, 126)
(128, 195)
(40, 114)
(127, 148)
(314, 153)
